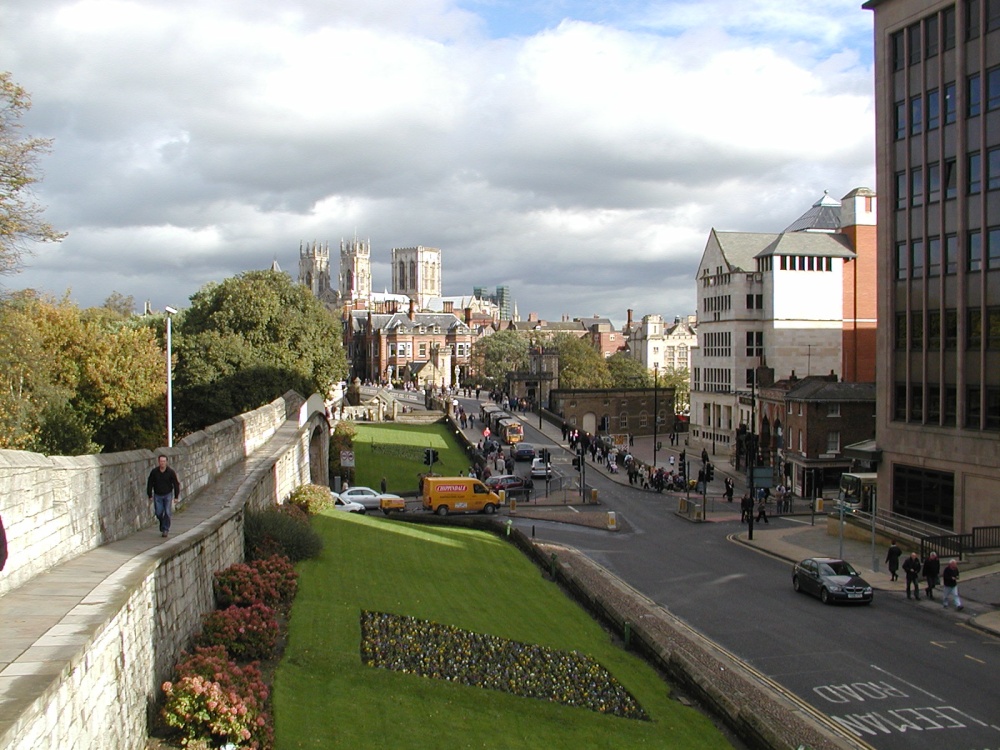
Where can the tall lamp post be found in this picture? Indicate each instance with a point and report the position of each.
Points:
(170, 385)
(656, 407)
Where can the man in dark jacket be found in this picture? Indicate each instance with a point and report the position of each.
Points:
(892, 560)
(931, 571)
(949, 579)
(912, 569)
(164, 489)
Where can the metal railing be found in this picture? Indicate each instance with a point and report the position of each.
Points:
(957, 545)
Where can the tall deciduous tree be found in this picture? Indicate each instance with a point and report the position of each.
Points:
(248, 340)
(580, 364)
(628, 373)
(20, 216)
(496, 355)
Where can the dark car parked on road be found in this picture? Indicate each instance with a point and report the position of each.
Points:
(832, 580)
(523, 452)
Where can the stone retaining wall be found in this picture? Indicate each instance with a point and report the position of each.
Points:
(133, 626)
(57, 507)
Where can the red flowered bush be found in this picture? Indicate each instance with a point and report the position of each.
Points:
(272, 581)
(217, 700)
(247, 633)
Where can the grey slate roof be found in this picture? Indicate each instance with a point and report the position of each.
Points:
(401, 321)
(824, 216)
(823, 390)
(740, 248)
(806, 243)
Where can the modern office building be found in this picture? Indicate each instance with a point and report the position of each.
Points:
(937, 89)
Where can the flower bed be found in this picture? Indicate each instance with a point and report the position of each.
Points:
(444, 652)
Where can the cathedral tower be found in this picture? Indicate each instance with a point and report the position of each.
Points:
(416, 272)
(355, 270)
(314, 267)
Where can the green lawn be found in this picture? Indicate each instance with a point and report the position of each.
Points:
(325, 698)
(396, 452)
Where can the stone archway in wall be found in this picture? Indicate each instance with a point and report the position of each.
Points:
(319, 455)
(589, 423)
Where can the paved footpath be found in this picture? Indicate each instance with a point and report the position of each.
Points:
(807, 537)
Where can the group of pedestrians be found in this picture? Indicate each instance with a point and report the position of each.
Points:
(930, 571)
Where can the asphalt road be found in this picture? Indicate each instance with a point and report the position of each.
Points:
(895, 674)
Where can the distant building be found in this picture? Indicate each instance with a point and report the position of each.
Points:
(615, 410)
(353, 279)
(802, 300)
(501, 298)
(655, 343)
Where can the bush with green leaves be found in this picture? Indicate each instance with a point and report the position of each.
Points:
(282, 532)
(312, 498)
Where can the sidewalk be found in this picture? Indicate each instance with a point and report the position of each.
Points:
(979, 588)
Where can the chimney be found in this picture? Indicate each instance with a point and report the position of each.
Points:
(629, 323)
(449, 306)
(413, 312)
(468, 316)
(532, 317)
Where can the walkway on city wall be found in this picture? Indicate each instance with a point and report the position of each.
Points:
(95, 605)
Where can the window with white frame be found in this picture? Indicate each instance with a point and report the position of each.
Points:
(623, 421)
(833, 410)
(833, 441)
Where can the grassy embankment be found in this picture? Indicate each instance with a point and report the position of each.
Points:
(325, 697)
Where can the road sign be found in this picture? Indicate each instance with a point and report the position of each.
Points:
(347, 459)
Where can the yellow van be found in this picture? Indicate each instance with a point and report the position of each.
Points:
(445, 495)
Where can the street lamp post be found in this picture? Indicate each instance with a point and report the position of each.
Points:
(656, 408)
(170, 379)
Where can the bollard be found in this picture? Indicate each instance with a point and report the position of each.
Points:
(509, 524)
(513, 505)
(612, 521)
(593, 496)
(532, 531)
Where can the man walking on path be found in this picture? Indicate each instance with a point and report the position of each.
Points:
(912, 569)
(949, 577)
(163, 488)
(932, 570)
(892, 560)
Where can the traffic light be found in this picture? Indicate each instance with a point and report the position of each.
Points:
(576, 462)
(430, 456)
(682, 469)
(710, 472)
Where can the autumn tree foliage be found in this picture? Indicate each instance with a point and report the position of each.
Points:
(20, 215)
(77, 381)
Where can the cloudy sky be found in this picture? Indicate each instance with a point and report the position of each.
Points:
(578, 151)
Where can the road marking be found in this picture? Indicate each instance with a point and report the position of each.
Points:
(910, 684)
(941, 644)
(974, 659)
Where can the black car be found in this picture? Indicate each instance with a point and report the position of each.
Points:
(832, 580)
(523, 452)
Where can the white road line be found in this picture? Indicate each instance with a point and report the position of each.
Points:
(915, 687)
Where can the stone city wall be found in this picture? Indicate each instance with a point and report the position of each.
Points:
(57, 507)
(137, 621)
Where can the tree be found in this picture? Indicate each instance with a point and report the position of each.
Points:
(248, 340)
(680, 380)
(75, 382)
(20, 215)
(580, 364)
(627, 372)
(502, 352)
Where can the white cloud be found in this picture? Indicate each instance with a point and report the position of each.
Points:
(582, 160)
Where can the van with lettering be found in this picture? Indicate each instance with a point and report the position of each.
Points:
(444, 495)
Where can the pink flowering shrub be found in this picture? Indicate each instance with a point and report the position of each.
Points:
(271, 581)
(312, 498)
(247, 633)
(216, 700)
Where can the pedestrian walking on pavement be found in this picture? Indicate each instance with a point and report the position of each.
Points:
(892, 559)
(730, 487)
(931, 571)
(746, 509)
(911, 566)
(164, 489)
(762, 510)
(949, 577)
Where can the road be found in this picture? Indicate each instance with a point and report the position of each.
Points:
(896, 674)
